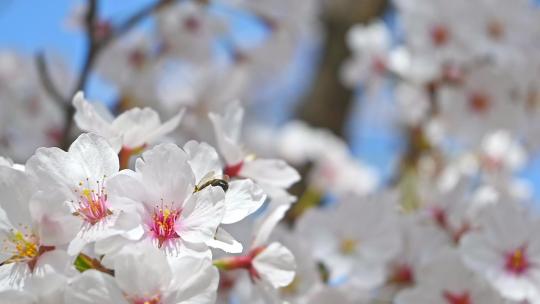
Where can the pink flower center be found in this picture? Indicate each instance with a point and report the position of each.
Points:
(152, 300)
(479, 102)
(192, 24)
(440, 35)
(24, 247)
(137, 58)
(495, 29)
(92, 205)
(517, 262)
(439, 216)
(457, 298)
(234, 170)
(379, 65)
(402, 274)
(162, 225)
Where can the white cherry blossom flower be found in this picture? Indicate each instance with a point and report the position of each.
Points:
(78, 178)
(30, 231)
(9, 163)
(131, 130)
(143, 274)
(268, 173)
(370, 45)
(447, 281)
(421, 243)
(356, 240)
(485, 102)
(242, 197)
(175, 216)
(188, 30)
(270, 265)
(505, 250)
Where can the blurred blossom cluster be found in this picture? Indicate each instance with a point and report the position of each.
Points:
(180, 193)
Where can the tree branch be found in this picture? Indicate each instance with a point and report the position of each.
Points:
(47, 82)
(135, 19)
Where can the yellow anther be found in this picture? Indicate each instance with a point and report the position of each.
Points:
(348, 246)
(87, 193)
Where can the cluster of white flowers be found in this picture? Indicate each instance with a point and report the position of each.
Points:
(77, 229)
(464, 78)
(195, 58)
(21, 100)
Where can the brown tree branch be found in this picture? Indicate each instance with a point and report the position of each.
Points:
(46, 80)
(328, 103)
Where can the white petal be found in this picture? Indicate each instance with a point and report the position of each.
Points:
(56, 225)
(203, 159)
(231, 121)
(142, 271)
(195, 281)
(55, 169)
(276, 265)
(16, 296)
(273, 172)
(90, 156)
(88, 118)
(16, 189)
(54, 262)
(202, 215)
(166, 172)
(226, 242)
(91, 233)
(165, 128)
(6, 162)
(135, 125)
(242, 199)
(92, 287)
(5, 235)
(263, 231)
(95, 155)
(227, 130)
(127, 184)
(48, 289)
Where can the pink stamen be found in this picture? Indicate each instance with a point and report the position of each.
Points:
(402, 274)
(192, 24)
(479, 102)
(137, 58)
(162, 225)
(440, 35)
(517, 262)
(152, 300)
(453, 298)
(92, 206)
(439, 215)
(234, 170)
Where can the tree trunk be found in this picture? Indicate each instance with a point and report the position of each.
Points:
(328, 102)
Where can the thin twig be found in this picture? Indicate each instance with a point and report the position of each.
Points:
(134, 20)
(47, 82)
